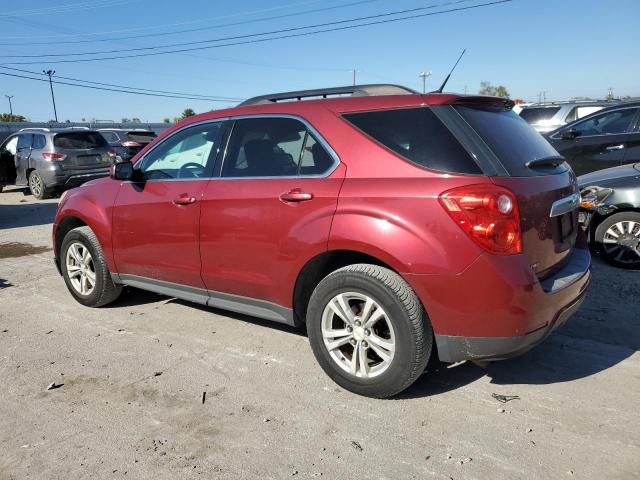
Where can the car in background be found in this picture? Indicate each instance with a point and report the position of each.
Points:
(126, 142)
(389, 222)
(51, 159)
(545, 117)
(610, 213)
(605, 139)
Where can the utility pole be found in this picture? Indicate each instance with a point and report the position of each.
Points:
(355, 71)
(50, 73)
(9, 97)
(424, 76)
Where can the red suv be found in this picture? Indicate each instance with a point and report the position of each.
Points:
(393, 224)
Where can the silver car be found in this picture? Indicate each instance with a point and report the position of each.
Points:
(545, 117)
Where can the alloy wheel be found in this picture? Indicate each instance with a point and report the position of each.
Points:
(621, 242)
(358, 334)
(80, 269)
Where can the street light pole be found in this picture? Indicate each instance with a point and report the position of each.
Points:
(424, 76)
(50, 73)
(9, 97)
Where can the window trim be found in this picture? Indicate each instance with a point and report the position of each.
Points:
(310, 129)
(558, 136)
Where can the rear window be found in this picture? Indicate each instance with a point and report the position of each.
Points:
(79, 140)
(141, 137)
(538, 114)
(417, 135)
(512, 140)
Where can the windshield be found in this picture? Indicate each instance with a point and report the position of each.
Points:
(512, 140)
(538, 114)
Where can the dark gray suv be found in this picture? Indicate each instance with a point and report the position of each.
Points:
(52, 159)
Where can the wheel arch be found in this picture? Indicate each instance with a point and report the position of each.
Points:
(62, 229)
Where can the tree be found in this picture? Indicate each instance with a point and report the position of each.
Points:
(125, 120)
(188, 112)
(166, 120)
(7, 117)
(135, 120)
(495, 91)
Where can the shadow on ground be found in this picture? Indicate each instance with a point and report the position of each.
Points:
(26, 214)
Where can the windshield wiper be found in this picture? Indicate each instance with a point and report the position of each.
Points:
(550, 161)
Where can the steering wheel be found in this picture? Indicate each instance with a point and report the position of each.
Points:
(191, 170)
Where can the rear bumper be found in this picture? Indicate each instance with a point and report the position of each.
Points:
(72, 178)
(497, 308)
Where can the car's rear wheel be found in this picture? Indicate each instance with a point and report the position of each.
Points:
(37, 186)
(618, 239)
(368, 330)
(85, 270)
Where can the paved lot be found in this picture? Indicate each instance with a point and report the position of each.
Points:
(134, 374)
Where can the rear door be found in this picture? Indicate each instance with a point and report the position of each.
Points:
(600, 141)
(632, 143)
(84, 150)
(23, 154)
(270, 210)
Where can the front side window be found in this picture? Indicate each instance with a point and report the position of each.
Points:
(610, 123)
(186, 154)
(417, 135)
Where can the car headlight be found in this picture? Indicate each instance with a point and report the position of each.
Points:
(593, 197)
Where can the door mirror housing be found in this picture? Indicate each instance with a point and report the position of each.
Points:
(122, 171)
(570, 134)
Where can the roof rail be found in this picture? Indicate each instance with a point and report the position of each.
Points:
(38, 129)
(581, 101)
(353, 90)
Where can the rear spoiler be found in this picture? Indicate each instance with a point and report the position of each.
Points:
(481, 101)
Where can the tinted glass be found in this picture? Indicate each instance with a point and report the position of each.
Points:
(512, 140)
(141, 137)
(610, 123)
(315, 159)
(110, 137)
(24, 140)
(264, 147)
(417, 135)
(187, 154)
(538, 114)
(39, 141)
(79, 140)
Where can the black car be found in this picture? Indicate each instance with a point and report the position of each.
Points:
(605, 139)
(127, 143)
(610, 213)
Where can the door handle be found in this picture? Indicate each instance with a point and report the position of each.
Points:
(184, 199)
(619, 146)
(296, 195)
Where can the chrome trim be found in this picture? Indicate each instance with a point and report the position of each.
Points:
(308, 126)
(565, 205)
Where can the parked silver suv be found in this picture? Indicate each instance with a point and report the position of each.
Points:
(545, 117)
(50, 159)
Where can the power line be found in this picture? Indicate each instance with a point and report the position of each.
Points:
(89, 5)
(210, 27)
(117, 90)
(295, 35)
(204, 97)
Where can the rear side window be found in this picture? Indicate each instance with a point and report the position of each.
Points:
(538, 114)
(417, 135)
(512, 140)
(140, 137)
(79, 140)
(39, 141)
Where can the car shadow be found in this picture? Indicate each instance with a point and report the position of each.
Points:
(26, 215)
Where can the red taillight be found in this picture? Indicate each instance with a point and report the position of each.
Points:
(131, 144)
(488, 214)
(56, 157)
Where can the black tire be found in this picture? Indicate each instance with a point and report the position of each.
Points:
(413, 334)
(625, 253)
(104, 290)
(37, 186)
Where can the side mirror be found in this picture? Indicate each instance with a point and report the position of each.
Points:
(121, 171)
(570, 134)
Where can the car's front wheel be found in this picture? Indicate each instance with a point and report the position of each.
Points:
(85, 270)
(618, 239)
(368, 330)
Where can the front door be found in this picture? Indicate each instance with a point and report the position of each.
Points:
(270, 210)
(23, 153)
(600, 141)
(156, 219)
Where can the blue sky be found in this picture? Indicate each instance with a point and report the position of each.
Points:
(564, 47)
